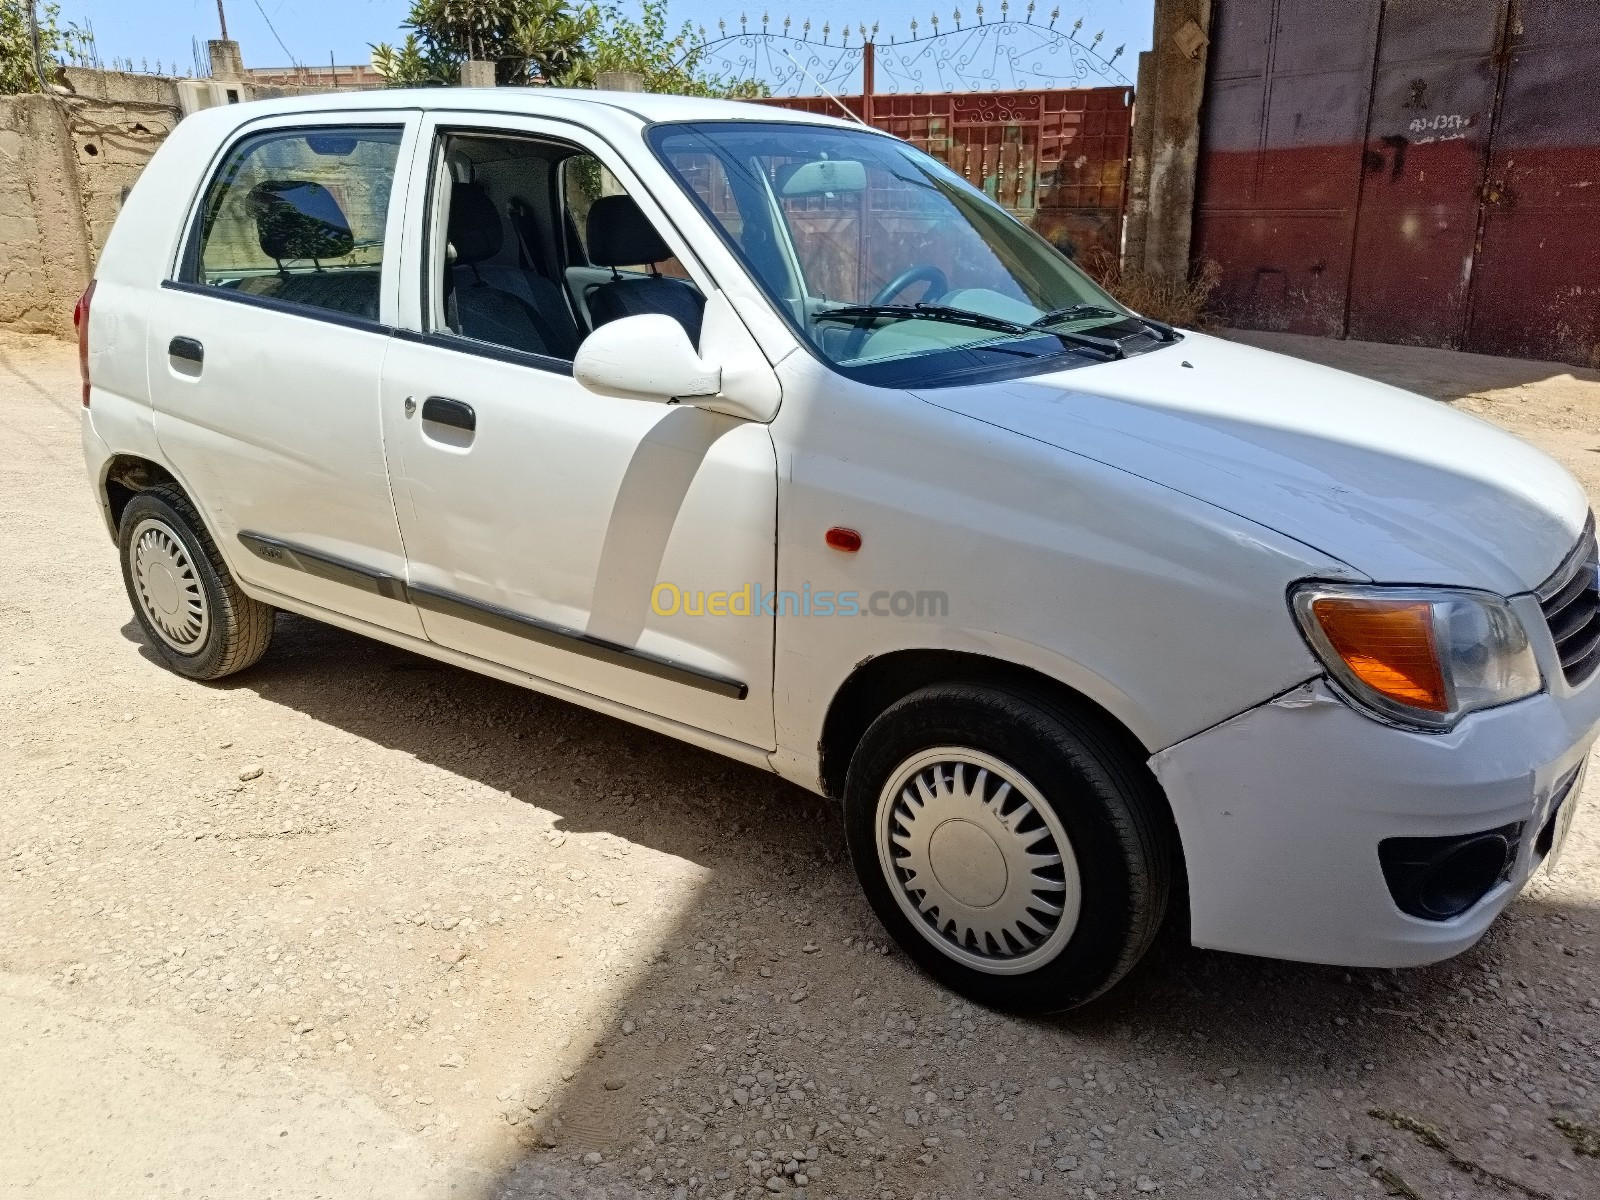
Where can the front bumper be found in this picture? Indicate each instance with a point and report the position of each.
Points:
(1282, 808)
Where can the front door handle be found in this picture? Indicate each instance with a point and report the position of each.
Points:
(188, 349)
(444, 411)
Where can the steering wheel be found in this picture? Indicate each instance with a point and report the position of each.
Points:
(938, 284)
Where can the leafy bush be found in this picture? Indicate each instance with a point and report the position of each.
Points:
(17, 71)
(1179, 302)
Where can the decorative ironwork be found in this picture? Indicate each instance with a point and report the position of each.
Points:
(958, 54)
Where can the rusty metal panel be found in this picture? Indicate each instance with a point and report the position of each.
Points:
(1281, 145)
(1427, 138)
(1057, 158)
(1536, 285)
(1422, 171)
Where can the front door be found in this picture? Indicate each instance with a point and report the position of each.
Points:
(265, 352)
(616, 547)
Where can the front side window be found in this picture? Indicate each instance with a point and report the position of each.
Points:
(298, 216)
(535, 244)
(892, 267)
(584, 180)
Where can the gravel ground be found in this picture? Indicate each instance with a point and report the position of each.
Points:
(357, 924)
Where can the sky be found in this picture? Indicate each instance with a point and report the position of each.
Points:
(278, 32)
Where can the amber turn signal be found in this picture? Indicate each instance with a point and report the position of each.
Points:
(1388, 645)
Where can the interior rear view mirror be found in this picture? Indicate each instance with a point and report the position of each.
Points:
(822, 177)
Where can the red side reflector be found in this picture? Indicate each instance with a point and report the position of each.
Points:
(844, 539)
(80, 318)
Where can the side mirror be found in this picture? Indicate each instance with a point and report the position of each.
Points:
(647, 357)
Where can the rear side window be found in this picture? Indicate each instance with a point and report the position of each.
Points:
(298, 216)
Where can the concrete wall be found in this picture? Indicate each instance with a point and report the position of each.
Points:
(1166, 141)
(44, 248)
(66, 162)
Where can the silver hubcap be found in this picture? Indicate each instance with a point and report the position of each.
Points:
(978, 861)
(168, 586)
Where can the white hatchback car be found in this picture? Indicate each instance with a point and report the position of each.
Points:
(768, 432)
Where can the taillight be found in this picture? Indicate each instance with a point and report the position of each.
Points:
(80, 318)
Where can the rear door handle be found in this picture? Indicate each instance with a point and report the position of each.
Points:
(444, 411)
(187, 348)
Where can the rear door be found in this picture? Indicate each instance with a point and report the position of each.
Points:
(265, 352)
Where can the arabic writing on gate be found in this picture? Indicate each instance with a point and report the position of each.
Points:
(1443, 123)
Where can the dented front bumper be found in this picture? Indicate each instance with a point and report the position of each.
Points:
(1282, 808)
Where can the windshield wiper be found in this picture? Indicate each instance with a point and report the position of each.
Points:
(1160, 328)
(1076, 310)
(930, 312)
(966, 316)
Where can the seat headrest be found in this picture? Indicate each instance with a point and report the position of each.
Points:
(296, 218)
(475, 230)
(620, 235)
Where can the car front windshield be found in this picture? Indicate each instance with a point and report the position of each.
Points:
(894, 268)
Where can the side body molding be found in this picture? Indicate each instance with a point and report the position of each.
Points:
(392, 587)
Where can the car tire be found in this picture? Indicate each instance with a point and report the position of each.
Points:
(194, 616)
(957, 799)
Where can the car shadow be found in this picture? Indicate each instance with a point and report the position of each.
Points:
(779, 959)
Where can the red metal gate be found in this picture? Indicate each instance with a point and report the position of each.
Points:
(1427, 141)
(1058, 159)
(1416, 171)
(1536, 285)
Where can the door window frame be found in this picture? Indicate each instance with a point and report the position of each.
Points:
(187, 250)
(418, 280)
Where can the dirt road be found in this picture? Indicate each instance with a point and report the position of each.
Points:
(354, 924)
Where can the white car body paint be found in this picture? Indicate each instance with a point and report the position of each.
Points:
(1128, 529)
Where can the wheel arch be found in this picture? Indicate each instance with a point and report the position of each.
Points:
(880, 681)
(124, 477)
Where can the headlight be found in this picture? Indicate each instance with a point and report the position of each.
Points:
(1423, 657)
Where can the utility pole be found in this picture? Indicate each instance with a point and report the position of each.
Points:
(222, 19)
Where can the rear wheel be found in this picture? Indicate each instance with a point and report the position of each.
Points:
(194, 616)
(1017, 849)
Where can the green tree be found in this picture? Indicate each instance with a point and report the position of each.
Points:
(555, 39)
(525, 39)
(56, 43)
(551, 41)
(669, 61)
(407, 65)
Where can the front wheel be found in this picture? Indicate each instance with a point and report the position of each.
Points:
(1017, 849)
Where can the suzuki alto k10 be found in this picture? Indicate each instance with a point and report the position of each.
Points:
(769, 432)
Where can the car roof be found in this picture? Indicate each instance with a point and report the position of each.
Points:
(647, 107)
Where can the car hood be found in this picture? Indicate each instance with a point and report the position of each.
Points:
(1402, 488)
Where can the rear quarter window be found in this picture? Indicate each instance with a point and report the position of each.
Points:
(298, 217)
